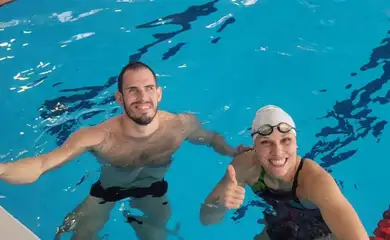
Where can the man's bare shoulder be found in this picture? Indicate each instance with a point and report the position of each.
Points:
(165, 115)
(94, 135)
(185, 119)
(189, 119)
(112, 123)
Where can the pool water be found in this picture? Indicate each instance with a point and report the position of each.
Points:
(327, 63)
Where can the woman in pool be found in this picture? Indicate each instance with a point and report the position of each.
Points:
(307, 203)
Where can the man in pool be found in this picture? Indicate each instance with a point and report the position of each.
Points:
(306, 201)
(135, 150)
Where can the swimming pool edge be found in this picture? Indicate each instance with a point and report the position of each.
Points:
(11, 228)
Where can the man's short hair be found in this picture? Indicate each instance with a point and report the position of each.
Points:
(133, 66)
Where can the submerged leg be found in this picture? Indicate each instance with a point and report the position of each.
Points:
(87, 219)
(152, 225)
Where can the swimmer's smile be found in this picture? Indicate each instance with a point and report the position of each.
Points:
(278, 162)
(143, 107)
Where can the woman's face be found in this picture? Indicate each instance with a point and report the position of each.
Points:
(277, 152)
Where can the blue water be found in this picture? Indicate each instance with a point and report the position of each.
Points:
(325, 62)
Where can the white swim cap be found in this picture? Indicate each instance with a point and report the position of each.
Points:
(272, 115)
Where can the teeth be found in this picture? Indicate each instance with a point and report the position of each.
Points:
(278, 162)
(143, 106)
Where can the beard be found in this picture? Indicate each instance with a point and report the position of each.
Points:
(143, 119)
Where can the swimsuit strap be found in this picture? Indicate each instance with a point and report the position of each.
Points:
(261, 177)
(295, 183)
(261, 184)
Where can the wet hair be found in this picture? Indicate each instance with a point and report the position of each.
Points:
(133, 66)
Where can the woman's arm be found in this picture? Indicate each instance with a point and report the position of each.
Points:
(321, 189)
(229, 193)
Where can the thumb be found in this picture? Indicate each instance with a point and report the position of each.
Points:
(232, 174)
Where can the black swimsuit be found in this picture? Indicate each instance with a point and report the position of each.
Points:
(290, 220)
(113, 194)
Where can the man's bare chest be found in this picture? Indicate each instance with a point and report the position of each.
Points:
(156, 150)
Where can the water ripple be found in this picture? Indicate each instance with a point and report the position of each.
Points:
(41, 71)
(183, 20)
(220, 21)
(77, 37)
(244, 2)
(309, 5)
(11, 23)
(266, 49)
(249, 2)
(67, 16)
(223, 22)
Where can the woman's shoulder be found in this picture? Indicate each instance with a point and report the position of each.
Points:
(311, 168)
(245, 165)
(311, 174)
(244, 159)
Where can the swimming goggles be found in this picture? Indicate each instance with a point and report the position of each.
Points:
(268, 129)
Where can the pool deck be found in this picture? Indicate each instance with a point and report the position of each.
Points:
(12, 229)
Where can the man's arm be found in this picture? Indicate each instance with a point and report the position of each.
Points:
(338, 213)
(28, 170)
(199, 135)
(4, 2)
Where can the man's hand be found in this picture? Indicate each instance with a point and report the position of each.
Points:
(240, 149)
(197, 134)
(2, 168)
(3, 2)
(28, 170)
